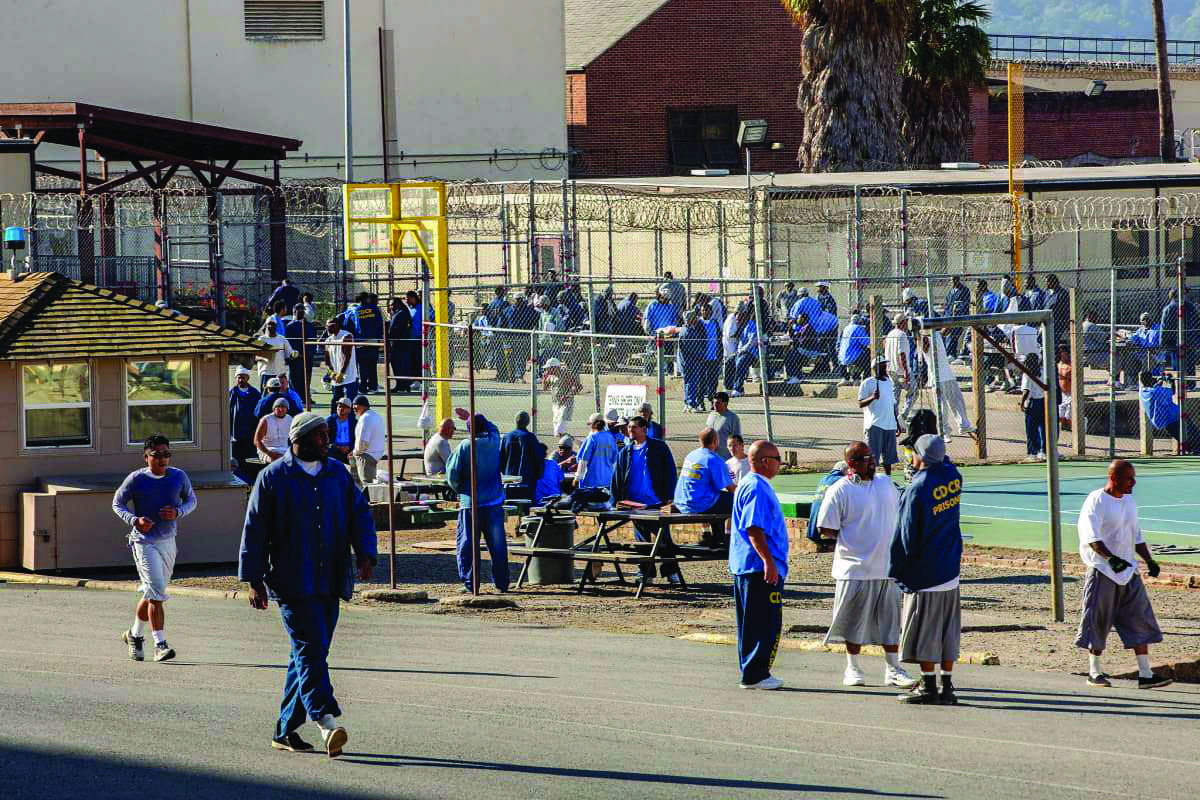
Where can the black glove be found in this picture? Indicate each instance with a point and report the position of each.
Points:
(1118, 564)
(1153, 568)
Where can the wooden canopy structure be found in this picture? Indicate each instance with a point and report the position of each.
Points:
(156, 147)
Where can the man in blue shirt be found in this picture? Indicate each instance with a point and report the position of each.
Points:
(704, 487)
(243, 400)
(747, 356)
(284, 293)
(342, 424)
(854, 351)
(712, 350)
(365, 321)
(597, 457)
(758, 561)
(550, 483)
(659, 314)
(522, 454)
(275, 392)
(990, 302)
(645, 478)
(302, 336)
(1159, 406)
(489, 492)
(308, 532)
(827, 301)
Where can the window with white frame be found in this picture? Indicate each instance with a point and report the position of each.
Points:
(159, 399)
(56, 399)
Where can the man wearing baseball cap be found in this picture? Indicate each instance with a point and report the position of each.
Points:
(563, 384)
(243, 400)
(925, 563)
(877, 399)
(308, 531)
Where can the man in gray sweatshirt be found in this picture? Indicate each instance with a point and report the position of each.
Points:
(151, 500)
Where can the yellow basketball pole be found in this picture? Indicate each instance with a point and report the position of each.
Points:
(440, 272)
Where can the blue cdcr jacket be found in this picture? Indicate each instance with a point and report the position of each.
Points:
(487, 468)
(660, 465)
(833, 477)
(927, 547)
(302, 533)
(366, 323)
(522, 454)
(242, 419)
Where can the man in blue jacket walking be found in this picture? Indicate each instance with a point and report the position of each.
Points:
(308, 531)
(489, 510)
(926, 558)
(243, 400)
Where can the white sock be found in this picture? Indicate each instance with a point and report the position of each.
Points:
(139, 627)
(327, 723)
(852, 661)
(1144, 670)
(1094, 664)
(160, 637)
(893, 659)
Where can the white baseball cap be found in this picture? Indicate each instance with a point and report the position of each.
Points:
(552, 362)
(241, 371)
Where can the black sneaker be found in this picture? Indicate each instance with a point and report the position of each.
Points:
(919, 695)
(292, 743)
(947, 697)
(1099, 680)
(135, 645)
(163, 652)
(1155, 681)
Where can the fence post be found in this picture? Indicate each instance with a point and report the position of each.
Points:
(565, 255)
(503, 219)
(687, 244)
(721, 241)
(904, 238)
(1052, 485)
(1078, 364)
(533, 381)
(1146, 432)
(875, 309)
(1112, 362)
(978, 392)
(858, 250)
(533, 256)
(610, 243)
(575, 228)
(662, 382)
(1183, 349)
(592, 343)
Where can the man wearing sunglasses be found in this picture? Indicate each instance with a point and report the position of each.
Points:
(151, 500)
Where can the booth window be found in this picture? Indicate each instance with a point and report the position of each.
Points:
(158, 395)
(57, 403)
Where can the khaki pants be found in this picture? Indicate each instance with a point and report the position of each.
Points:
(364, 468)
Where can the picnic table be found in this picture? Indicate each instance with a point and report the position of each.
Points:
(591, 553)
(404, 456)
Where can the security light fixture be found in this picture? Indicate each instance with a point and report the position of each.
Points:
(1097, 88)
(751, 132)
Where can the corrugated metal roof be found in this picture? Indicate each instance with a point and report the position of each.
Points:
(593, 26)
(48, 316)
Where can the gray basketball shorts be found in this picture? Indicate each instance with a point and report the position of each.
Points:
(1108, 604)
(931, 628)
(883, 444)
(865, 612)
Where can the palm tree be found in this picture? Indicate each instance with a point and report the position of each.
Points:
(947, 53)
(850, 82)
(1166, 114)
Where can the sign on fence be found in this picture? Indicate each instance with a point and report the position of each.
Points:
(625, 398)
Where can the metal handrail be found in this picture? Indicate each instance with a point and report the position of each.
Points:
(1021, 46)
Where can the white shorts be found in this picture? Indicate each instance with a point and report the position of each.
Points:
(155, 561)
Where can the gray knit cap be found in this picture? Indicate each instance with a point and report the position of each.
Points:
(303, 423)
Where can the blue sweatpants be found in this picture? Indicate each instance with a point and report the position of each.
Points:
(307, 690)
(491, 525)
(759, 609)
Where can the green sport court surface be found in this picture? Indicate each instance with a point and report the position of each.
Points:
(1005, 505)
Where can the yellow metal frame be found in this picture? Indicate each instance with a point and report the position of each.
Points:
(405, 240)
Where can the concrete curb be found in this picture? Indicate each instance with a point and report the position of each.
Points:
(117, 586)
(807, 645)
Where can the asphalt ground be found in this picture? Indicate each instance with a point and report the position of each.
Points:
(451, 706)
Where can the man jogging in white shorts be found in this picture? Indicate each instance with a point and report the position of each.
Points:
(151, 501)
(1113, 592)
(861, 511)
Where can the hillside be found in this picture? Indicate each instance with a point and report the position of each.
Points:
(1109, 18)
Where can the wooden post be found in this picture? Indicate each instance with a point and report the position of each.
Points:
(977, 389)
(1146, 431)
(875, 309)
(1078, 364)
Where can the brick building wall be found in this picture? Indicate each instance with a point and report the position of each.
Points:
(689, 54)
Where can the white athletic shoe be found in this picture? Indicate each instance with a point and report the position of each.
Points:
(335, 740)
(768, 683)
(854, 677)
(896, 676)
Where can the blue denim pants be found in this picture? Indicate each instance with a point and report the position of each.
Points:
(491, 525)
(759, 612)
(307, 690)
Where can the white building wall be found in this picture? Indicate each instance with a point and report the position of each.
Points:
(470, 76)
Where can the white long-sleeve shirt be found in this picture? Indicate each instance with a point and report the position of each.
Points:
(276, 362)
(729, 338)
(370, 435)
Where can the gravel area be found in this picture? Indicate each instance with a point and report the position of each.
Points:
(1006, 610)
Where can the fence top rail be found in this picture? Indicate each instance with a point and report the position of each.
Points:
(988, 320)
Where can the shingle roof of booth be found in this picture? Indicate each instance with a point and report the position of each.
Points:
(48, 316)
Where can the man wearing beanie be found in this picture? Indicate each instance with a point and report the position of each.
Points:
(308, 530)
(926, 557)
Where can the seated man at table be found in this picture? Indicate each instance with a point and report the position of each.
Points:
(437, 449)
(522, 454)
(550, 484)
(645, 478)
(341, 431)
(705, 487)
(1161, 410)
(564, 456)
(597, 457)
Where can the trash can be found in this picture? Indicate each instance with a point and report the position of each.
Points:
(558, 532)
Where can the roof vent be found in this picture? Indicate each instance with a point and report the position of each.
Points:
(285, 19)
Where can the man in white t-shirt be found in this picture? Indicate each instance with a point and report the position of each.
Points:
(877, 399)
(370, 441)
(339, 356)
(1113, 592)
(1024, 342)
(897, 348)
(861, 511)
(940, 378)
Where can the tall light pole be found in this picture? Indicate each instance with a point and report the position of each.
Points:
(346, 90)
(752, 132)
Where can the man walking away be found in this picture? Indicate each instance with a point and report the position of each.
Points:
(490, 501)
(302, 336)
(243, 399)
(705, 487)
(712, 349)
(1033, 403)
(307, 528)
(722, 420)
(758, 562)
(645, 475)
(151, 500)
(926, 559)
(403, 348)
(877, 399)
(1113, 592)
(522, 454)
(860, 511)
(897, 347)
(370, 440)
